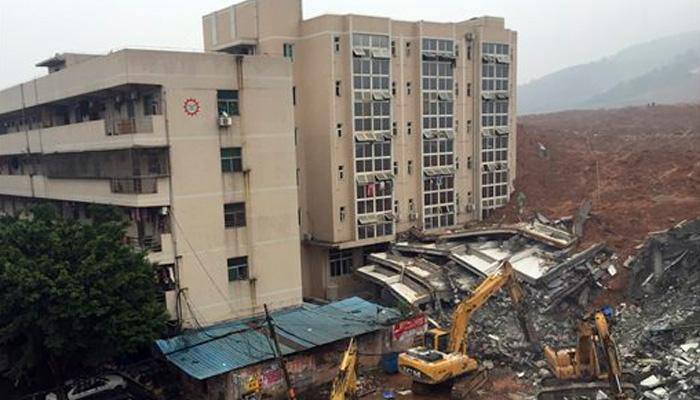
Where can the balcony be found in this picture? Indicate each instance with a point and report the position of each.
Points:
(160, 251)
(97, 135)
(139, 185)
(16, 185)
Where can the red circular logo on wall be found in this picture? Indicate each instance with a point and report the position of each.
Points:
(191, 107)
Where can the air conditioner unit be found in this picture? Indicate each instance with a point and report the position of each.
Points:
(225, 122)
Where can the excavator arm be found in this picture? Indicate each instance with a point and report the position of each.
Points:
(612, 356)
(462, 315)
(345, 382)
(583, 362)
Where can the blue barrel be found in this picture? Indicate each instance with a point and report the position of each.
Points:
(390, 363)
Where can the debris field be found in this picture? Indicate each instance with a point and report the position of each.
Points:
(620, 190)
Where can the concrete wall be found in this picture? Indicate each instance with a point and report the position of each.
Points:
(196, 189)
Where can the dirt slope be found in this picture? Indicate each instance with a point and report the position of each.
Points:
(640, 167)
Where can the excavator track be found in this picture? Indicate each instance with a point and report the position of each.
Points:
(464, 388)
(588, 389)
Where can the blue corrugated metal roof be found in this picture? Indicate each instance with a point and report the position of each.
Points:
(226, 347)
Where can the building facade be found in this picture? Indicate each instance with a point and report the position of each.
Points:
(398, 125)
(183, 145)
(264, 170)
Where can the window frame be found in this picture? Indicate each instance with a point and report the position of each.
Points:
(340, 263)
(235, 215)
(231, 159)
(235, 265)
(229, 104)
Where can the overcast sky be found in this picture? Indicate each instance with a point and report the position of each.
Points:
(552, 33)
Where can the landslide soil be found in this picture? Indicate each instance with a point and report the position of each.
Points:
(639, 166)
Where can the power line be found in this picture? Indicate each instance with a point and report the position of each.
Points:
(201, 265)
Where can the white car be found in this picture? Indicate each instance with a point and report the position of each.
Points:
(85, 388)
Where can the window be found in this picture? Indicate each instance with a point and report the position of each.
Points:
(394, 128)
(408, 88)
(374, 201)
(494, 114)
(469, 52)
(411, 205)
(396, 207)
(342, 214)
(294, 95)
(340, 262)
(494, 178)
(469, 90)
(393, 48)
(438, 201)
(408, 49)
(228, 102)
(371, 83)
(234, 215)
(469, 163)
(410, 167)
(336, 43)
(438, 152)
(288, 50)
(296, 135)
(237, 269)
(373, 157)
(393, 88)
(337, 88)
(396, 168)
(339, 130)
(408, 127)
(231, 159)
(341, 172)
(298, 176)
(150, 105)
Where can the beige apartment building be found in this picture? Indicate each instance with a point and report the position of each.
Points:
(398, 125)
(263, 170)
(184, 145)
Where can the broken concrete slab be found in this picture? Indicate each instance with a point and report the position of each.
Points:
(650, 382)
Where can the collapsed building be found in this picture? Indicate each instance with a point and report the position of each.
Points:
(429, 273)
(658, 330)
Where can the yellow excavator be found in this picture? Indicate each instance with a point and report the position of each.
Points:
(345, 382)
(443, 358)
(584, 362)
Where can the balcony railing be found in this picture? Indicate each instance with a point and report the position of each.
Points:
(129, 126)
(149, 244)
(135, 185)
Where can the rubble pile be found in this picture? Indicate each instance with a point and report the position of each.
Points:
(658, 335)
(659, 338)
(657, 329)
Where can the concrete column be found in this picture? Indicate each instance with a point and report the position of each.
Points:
(657, 261)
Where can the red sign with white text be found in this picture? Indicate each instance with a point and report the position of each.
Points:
(415, 323)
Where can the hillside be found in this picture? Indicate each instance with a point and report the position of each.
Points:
(640, 166)
(665, 70)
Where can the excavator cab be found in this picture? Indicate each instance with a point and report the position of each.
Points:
(437, 339)
(595, 358)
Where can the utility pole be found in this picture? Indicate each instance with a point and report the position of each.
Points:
(278, 355)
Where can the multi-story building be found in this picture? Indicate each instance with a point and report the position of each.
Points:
(398, 125)
(184, 144)
(278, 158)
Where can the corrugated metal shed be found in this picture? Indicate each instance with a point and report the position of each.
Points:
(226, 347)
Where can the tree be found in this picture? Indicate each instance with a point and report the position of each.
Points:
(73, 295)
